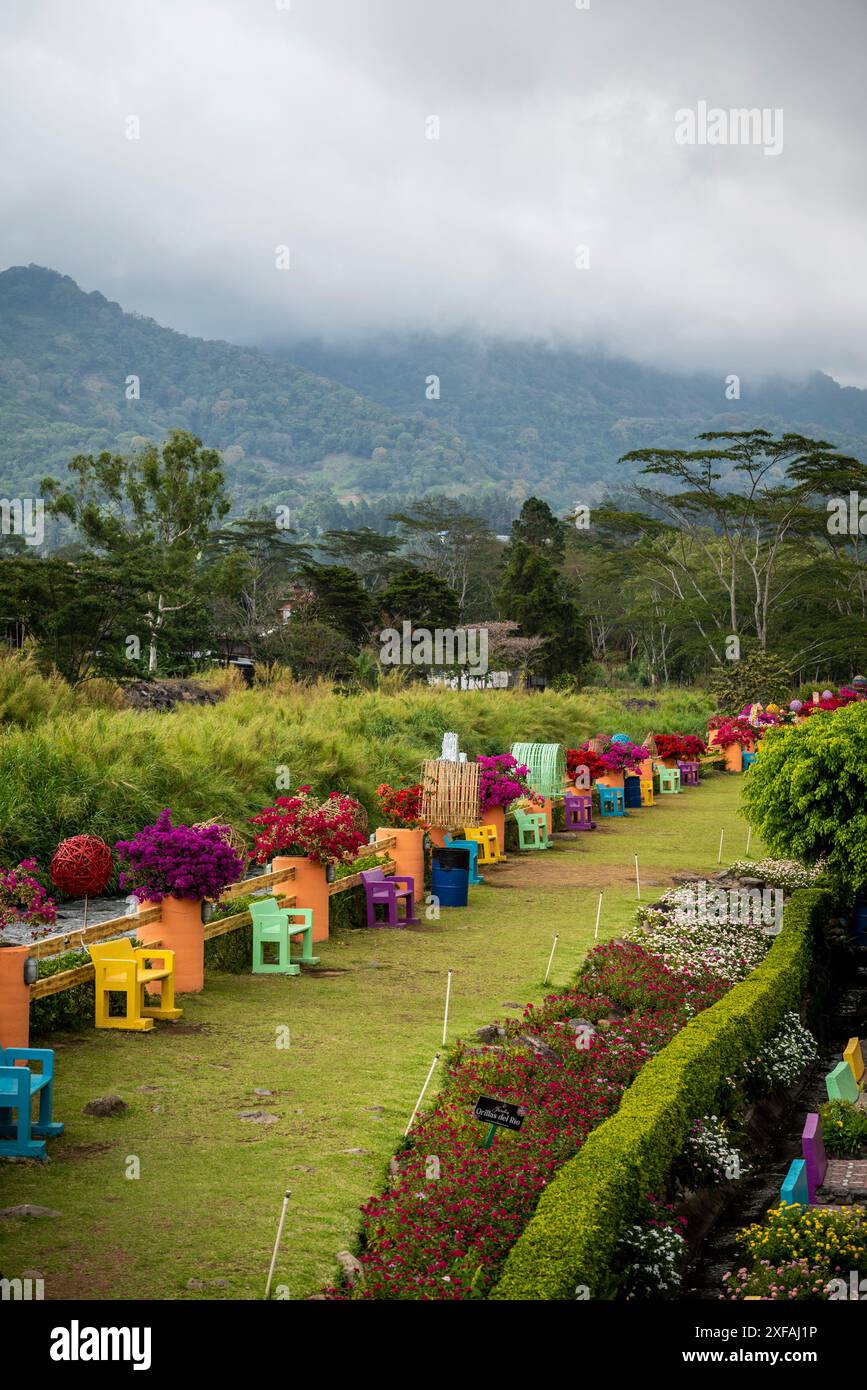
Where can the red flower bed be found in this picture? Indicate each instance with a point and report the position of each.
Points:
(454, 1209)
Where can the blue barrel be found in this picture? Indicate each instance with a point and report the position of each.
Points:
(860, 923)
(632, 791)
(450, 875)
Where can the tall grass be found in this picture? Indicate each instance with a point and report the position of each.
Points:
(68, 768)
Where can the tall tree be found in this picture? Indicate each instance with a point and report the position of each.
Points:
(160, 503)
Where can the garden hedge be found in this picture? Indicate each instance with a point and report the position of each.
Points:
(572, 1237)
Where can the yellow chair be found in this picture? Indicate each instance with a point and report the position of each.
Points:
(121, 969)
(488, 841)
(647, 792)
(852, 1055)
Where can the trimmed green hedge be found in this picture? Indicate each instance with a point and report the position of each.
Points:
(572, 1236)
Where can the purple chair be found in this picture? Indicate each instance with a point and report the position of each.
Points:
(688, 773)
(384, 892)
(813, 1149)
(579, 812)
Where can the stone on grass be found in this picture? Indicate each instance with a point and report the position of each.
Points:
(351, 1267)
(26, 1209)
(257, 1117)
(105, 1105)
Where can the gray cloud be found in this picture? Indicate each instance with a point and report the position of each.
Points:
(262, 126)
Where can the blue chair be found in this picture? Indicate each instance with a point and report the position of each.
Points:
(611, 801)
(795, 1191)
(473, 847)
(749, 759)
(18, 1086)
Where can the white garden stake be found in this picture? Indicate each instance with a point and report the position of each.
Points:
(421, 1096)
(749, 836)
(637, 880)
(551, 957)
(286, 1196)
(719, 856)
(598, 915)
(446, 1015)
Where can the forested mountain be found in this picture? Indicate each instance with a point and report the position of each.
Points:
(311, 425)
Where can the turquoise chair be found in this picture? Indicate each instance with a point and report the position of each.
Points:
(18, 1086)
(473, 847)
(795, 1191)
(611, 801)
(272, 927)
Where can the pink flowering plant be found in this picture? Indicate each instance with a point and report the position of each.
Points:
(623, 757)
(23, 898)
(502, 780)
(178, 861)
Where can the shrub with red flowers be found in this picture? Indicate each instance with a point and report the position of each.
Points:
(178, 861)
(23, 898)
(688, 747)
(731, 731)
(576, 758)
(454, 1209)
(400, 808)
(330, 833)
(502, 780)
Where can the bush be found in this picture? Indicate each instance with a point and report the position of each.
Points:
(805, 794)
(582, 1214)
(72, 1009)
(844, 1129)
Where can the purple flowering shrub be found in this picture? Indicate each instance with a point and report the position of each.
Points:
(179, 861)
(502, 780)
(624, 757)
(23, 898)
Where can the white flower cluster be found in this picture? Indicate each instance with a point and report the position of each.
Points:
(778, 873)
(656, 1253)
(710, 1152)
(790, 1050)
(728, 949)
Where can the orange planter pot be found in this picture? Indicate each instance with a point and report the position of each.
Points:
(180, 930)
(408, 856)
(496, 816)
(310, 889)
(610, 779)
(437, 835)
(14, 997)
(547, 809)
(734, 756)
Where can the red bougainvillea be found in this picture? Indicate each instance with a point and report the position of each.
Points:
(583, 757)
(686, 746)
(330, 833)
(400, 808)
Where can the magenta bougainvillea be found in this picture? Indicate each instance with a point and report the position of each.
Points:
(23, 898)
(623, 757)
(178, 861)
(502, 780)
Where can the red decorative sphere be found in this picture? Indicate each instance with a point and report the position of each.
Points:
(81, 865)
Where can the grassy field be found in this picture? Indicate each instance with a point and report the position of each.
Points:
(108, 771)
(205, 1205)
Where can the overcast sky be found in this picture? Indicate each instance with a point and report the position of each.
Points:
(305, 126)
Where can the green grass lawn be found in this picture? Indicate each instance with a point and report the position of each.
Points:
(206, 1203)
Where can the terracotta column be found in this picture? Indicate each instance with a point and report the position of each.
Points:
(408, 855)
(14, 997)
(309, 889)
(181, 930)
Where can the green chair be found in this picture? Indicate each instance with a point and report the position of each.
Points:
(272, 927)
(669, 779)
(532, 829)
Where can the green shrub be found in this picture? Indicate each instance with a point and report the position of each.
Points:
(71, 1009)
(844, 1129)
(573, 1235)
(805, 794)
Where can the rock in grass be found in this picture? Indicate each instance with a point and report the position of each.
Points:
(105, 1105)
(26, 1209)
(351, 1267)
(257, 1117)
